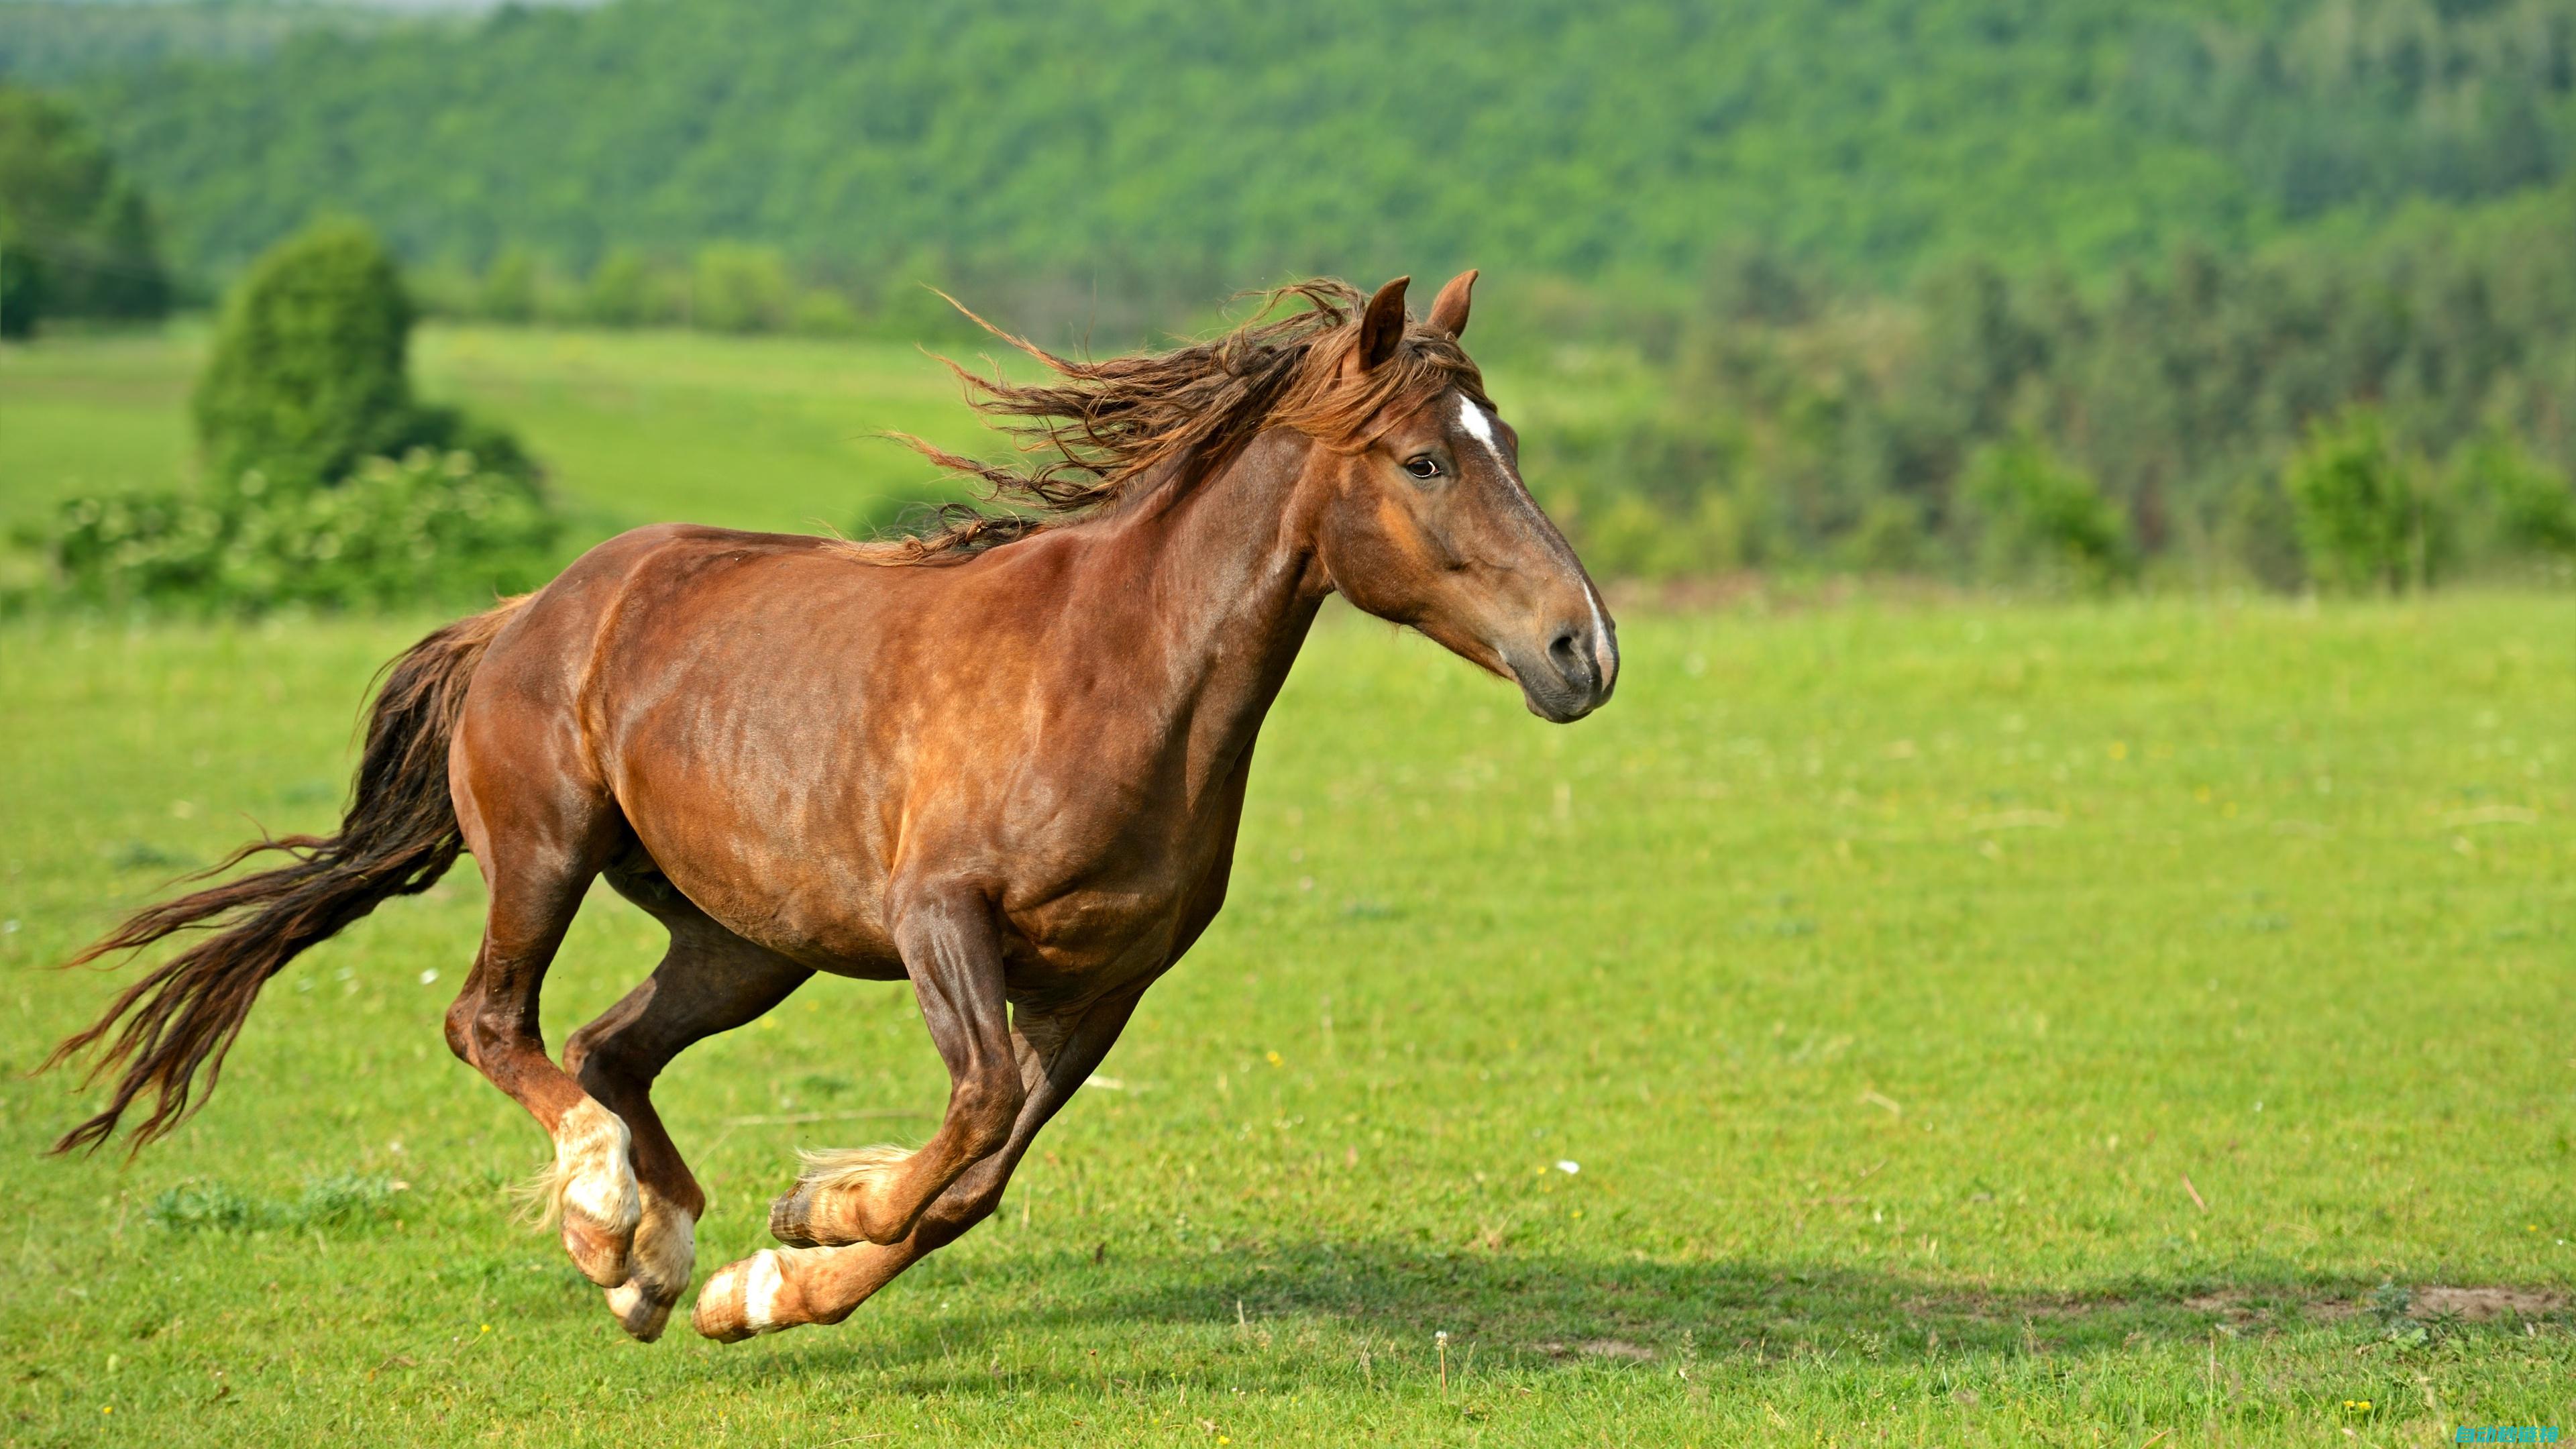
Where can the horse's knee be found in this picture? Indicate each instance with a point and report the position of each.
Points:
(986, 1111)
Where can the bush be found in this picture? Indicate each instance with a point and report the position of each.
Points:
(741, 289)
(822, 312)
(509, 289)
(2528, 509)
(1887, 538)
(2365, 520)
(428, 527)
(622, 292)
(2036, 518)
(308, 374)
(304, 409)
(2257, 533)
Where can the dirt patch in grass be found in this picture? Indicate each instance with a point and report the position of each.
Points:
(2242, 1306)
(1618, 1348)
(2478, 1305)
(2245, 1305)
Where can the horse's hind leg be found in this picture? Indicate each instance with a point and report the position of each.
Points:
(783, 1287)
(710, 980)
(540, 835)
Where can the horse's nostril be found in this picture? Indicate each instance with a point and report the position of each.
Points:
(1566, 652)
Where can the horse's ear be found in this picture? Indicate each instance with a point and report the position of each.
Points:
(1449, 309)
(1381, 326)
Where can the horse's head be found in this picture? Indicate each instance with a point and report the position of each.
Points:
(1427, 522)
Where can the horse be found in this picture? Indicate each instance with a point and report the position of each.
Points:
(1002, 757)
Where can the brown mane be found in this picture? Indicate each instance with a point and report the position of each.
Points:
(1100, 430)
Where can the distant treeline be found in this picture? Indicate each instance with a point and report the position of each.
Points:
(52, 42)
(76, 238)
(721, 287)
(2383, 415)
(1082, 157)
(2077, 291)
(2380, 416)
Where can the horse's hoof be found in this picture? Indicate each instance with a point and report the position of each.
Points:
(593, 1184)
(641, 1311)
(662, 1255)
(790, 1218)
(598, 1251)
(738, 1300)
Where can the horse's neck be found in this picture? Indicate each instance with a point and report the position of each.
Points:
(1219, 580)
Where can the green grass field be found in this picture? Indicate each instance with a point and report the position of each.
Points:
(632, 427)
(1971, 1024)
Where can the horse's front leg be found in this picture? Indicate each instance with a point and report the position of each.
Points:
(783, 1287)
(952, 950)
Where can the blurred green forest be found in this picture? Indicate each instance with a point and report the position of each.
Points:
(49, 42)
(2067, 291)
(1159, 147)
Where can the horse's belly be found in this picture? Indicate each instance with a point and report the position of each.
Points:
(820, 908)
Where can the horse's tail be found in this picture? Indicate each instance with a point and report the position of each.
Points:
(398, 837)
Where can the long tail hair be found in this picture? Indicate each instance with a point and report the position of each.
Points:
(398, 837)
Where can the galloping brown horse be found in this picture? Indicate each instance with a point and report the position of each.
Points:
(1004, 761)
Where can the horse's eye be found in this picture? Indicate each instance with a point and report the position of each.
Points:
(1424, 466)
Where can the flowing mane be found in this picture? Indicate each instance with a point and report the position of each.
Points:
(1099, 433)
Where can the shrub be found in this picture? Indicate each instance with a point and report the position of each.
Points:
(2528, 509)
(621, 292)
(2257, 533)
(308, 372)
(741, 289)
(509, 289)
(1628, 535)
(2035, 517)
(1887, 538)
(326, 484)
(822, 312)
(427, 527)
(2365, 521)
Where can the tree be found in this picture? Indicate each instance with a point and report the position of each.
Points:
(2038, 517)
(76, 239)
(308, 374)
(740, 288)
(327, 483)
(2363, 517)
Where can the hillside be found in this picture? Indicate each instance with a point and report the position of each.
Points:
(1153, 146)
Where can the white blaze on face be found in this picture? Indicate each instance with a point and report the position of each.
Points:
(1481, 428)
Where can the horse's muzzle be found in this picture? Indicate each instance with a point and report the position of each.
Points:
(1574, 675)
